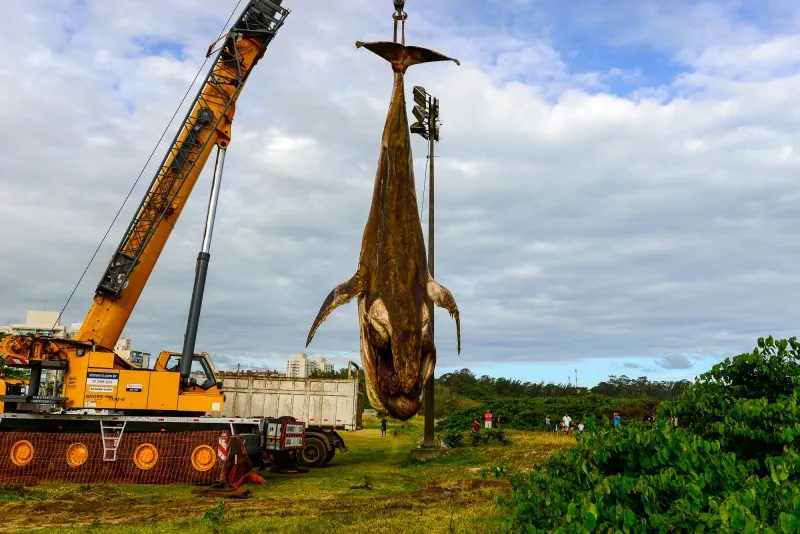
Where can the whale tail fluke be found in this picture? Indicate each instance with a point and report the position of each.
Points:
(401, 57)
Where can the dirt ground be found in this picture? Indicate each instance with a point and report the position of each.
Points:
(98, 507)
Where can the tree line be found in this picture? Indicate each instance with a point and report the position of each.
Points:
(465, 383)
(462, 390)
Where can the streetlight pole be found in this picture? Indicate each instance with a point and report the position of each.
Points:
(428, 433)
(426, 110)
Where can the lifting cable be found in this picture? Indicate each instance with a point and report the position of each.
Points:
(135, 183)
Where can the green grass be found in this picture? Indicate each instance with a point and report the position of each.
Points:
(447, 494)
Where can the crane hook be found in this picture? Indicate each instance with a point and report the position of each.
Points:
(399, 15)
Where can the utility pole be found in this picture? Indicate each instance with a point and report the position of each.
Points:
(576, 378)
(426, 111)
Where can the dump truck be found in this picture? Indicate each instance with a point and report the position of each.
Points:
(327, 406)
(114, 421)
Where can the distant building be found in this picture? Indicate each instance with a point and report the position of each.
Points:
(322, 365)
(138, 358)
(44, 323)
(301, 367)
(142, 359)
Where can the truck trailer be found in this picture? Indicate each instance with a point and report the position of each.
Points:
(327, 406)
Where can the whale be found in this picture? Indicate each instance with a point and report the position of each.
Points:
(392, 282)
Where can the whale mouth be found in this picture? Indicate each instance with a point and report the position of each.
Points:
(384, 386)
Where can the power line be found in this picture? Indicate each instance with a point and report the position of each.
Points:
(135, 183)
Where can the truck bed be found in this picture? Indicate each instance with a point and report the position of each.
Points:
(319, 402)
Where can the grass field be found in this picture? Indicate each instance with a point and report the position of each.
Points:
(443, 495)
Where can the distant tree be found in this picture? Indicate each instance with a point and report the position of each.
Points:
(341, 373)
(623, 386)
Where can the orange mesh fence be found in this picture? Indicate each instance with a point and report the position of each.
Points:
(142, 458)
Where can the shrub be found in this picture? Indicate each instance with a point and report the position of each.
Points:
(731, 466)
(529, 413)
(453, 439)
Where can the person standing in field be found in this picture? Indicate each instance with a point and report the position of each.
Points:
(616, 419)
(567, 420)
(487, 419)
(498, 420)
(580, 427)
(547, 423)
(476, 427)
(383, 426)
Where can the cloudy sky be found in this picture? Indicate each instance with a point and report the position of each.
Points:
(616, 180)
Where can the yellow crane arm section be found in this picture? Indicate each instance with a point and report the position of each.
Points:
(208, 124)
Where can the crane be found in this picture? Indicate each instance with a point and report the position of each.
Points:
(112, 417)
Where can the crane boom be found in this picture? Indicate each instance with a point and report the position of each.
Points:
(207, 124)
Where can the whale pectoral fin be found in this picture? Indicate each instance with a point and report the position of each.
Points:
(442, 297)
(401, 57)
(341, 294)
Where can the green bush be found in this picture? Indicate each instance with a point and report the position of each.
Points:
(489, 435)
(530, 413)
(732, 464)
(453, 439)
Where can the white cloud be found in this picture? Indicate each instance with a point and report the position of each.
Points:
(675, 361)
(571, 223)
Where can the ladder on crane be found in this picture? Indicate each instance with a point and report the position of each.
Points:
(111, 435)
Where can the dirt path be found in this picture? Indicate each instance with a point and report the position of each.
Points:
(96, 508)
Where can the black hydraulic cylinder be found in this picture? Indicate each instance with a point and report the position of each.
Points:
(200, 273)
(190, 338)
(35, 381)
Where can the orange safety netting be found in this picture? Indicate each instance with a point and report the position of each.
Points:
(142, 458)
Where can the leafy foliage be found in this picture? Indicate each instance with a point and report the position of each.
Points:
(530, 413)
(464, 383)
(462, 390)
(453, 439)
(622, 386)
(490, 435)
(731, 466)
(216, 515)
(748, 403)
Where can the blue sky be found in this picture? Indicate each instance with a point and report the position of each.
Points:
(154, 45)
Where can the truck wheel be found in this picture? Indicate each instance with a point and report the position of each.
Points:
(329, 456)
(313, 453)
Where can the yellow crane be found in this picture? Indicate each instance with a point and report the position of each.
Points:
(114, 420)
